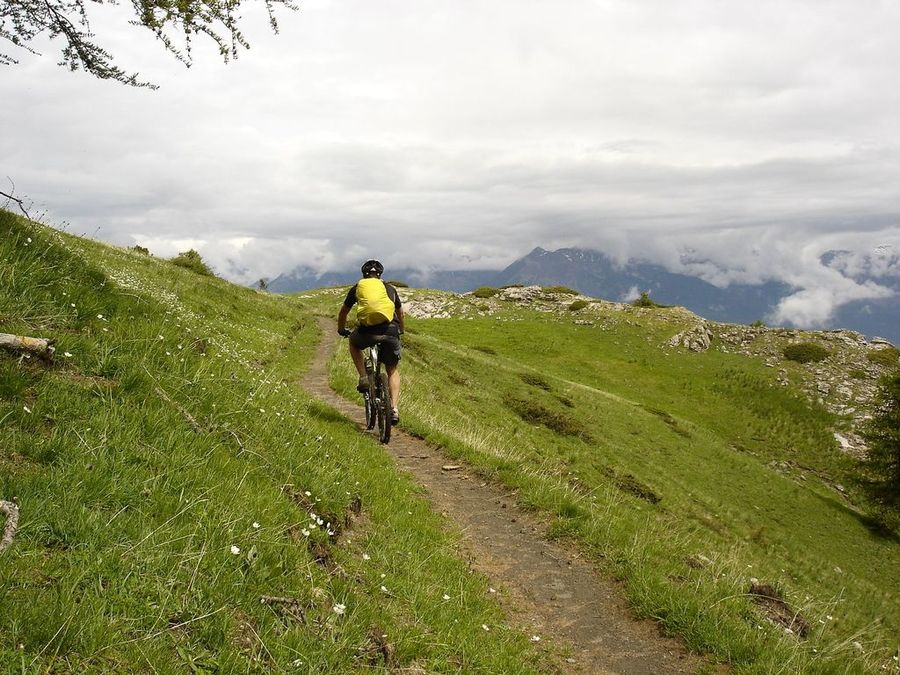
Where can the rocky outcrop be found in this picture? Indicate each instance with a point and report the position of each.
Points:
(428, 307)
(697, 338)
(845, 383)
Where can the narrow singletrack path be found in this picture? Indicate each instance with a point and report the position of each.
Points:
(547, 590)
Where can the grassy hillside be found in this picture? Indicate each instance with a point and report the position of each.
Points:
(691, 476)
(171, 478)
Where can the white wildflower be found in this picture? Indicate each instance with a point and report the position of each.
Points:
(485, 626)
(305, 532)
(99, 316)
(535, 638)
(366, 556)
(26, 409)
(339, 608)
(491, 590)
(67, 354)
(384, 589)
(235, 550)
(255, 525)
(446, 597)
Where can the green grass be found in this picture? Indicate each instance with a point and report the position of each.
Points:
(171, 424)
(805, 352)
(889, 356)
(170, 474)
(683, 454)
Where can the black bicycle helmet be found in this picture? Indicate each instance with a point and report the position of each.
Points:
(372, 267)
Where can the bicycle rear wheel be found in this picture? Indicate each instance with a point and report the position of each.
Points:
(384, 408)
(369, 404)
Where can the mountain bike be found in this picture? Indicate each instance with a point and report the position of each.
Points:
(377, 400)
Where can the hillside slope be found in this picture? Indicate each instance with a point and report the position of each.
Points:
(695, 476)
(186, 508)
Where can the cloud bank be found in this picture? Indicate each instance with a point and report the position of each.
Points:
(740, 143)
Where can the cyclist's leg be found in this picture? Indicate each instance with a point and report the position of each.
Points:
(357, 343)
(357, 356)
(393, 373)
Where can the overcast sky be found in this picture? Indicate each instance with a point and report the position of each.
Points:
(737, 140)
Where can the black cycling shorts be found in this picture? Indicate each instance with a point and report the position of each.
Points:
(388, 336)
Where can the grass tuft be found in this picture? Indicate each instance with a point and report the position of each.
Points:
(805, 352)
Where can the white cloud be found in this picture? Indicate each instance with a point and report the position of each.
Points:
(813, 307)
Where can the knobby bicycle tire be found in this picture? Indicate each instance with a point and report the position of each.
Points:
(369, 399)
(384, 409)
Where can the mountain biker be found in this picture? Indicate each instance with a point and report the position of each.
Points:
(379, 312)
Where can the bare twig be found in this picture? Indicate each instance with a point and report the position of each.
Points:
(11, 511)
(18, 201)
(190, 418)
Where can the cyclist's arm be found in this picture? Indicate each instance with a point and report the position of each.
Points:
(400, 319)
(342, 318)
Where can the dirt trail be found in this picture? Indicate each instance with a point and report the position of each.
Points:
(548, 590)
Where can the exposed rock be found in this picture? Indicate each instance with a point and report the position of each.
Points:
(697, 338)
(852, 444)
(428, 307)
(522, 293)
(880, 343)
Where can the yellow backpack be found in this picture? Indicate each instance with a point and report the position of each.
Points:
(373, 304)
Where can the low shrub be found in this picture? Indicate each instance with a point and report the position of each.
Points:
(577, 305)
(536, 413)
(759, 323)
(805, 352)
(536, 380)
(485, 292)
(565, 290)
(193, 261)
(140, 249)
(645, 301)
(884, 357)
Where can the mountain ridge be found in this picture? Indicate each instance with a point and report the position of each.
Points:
(596, 274)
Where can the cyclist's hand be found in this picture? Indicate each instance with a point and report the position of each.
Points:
(343, 332)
